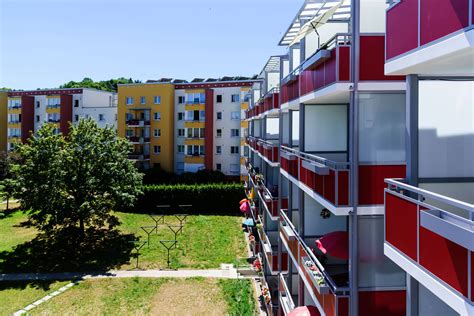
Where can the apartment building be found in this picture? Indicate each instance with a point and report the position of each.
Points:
(3, 119)
(326, 128)
(146, 119)
(429, 214)
(185, 126)
(27, 111)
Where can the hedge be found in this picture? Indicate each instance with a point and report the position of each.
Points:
(221, 198)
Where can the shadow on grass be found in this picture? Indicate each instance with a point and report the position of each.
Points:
(9, 212)
(98, 251)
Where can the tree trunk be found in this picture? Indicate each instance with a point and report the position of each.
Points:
(81, 227)
(8, 201)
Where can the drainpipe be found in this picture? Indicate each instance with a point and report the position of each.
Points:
(354, 158)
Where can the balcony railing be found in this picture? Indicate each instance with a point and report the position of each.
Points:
(271, 99)
(435, 232)
(290, 87)
(53, 120)
(409, 28)
(53, 106)
(269, 150)
(138, 156)
(13, 107)
(138, 139)
(138, 123)
(329, 64)
(289, 160)
(332, 280)
(286, 299)
(14, 121)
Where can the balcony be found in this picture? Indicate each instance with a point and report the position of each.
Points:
(271, 100)
(138, 139)
(290, 87)
(423, 36)
(267, 150)
(139, 156)
(269, 242)
(286, 299)
(53, 106)
(138, 123)
(328, 65)
(14, 121)
(431, 237)
(328, 283)
(14, 107)
(50, 120)
(324, 180)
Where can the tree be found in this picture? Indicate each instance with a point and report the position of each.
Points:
(73, 183)
(8, 181)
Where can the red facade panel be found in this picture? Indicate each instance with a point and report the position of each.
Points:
(401, 218)
(343, 188)
(65, 113)
(445, 259)
(209, 130)
(402, 28)
(372, 59)
(27, 117)
(386, 303)
(342, 306)
(371, 182)
(442, 17)
(344, 63)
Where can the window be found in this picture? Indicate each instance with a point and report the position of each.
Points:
(195, 150)
(157, 132)
(202, 133)
(129, 100)
(157, 99)
(235, 115)
(180, 132)
(129, 133)
(234, 168)
(180, 116)
(37, 104)
(142, 100)
(157, 116)
(218, 167)
(101, 117)
(201, 150)
(219, 132)
(234, 132)
(76, 118)
(180, 149)
(157, 149)
(37, 118)
(196, 98)
(53, 117)
(76, 103)
(219, 115)
(219, 98)
(235, 98)
(181, 99)
(218, 150)
(234, 149)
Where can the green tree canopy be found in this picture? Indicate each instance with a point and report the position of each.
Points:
(76, 181)
(106, 85)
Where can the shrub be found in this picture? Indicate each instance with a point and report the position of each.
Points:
(204, 198)
(156, 175)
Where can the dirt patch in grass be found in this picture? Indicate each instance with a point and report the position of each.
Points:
(189, 297)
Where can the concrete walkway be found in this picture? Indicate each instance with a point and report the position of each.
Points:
(226, 272)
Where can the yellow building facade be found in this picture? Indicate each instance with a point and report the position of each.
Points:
(146, 118)
(3, 120)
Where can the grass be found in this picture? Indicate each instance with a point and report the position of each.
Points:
(205, 242)
(12, 232)
(142, 296)
(17, 295)
(239, 296)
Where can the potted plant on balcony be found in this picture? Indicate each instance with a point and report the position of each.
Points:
(318, 276)
(266, 295)
(259, 179)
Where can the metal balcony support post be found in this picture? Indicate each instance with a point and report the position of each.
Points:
(412, 296)
(411, 134)
(301, 207)
(354, 159)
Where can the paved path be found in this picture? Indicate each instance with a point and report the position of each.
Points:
(227, 272)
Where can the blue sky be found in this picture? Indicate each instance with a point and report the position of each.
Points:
(45, 43)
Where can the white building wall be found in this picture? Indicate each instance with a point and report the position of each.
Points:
(227, 160)
(179, 140)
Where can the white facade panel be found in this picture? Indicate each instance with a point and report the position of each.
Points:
(446, 129)
(325, 128)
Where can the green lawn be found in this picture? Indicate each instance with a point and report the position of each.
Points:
(142, 296)
(11, 231)
(17, 295)
(205, 242)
